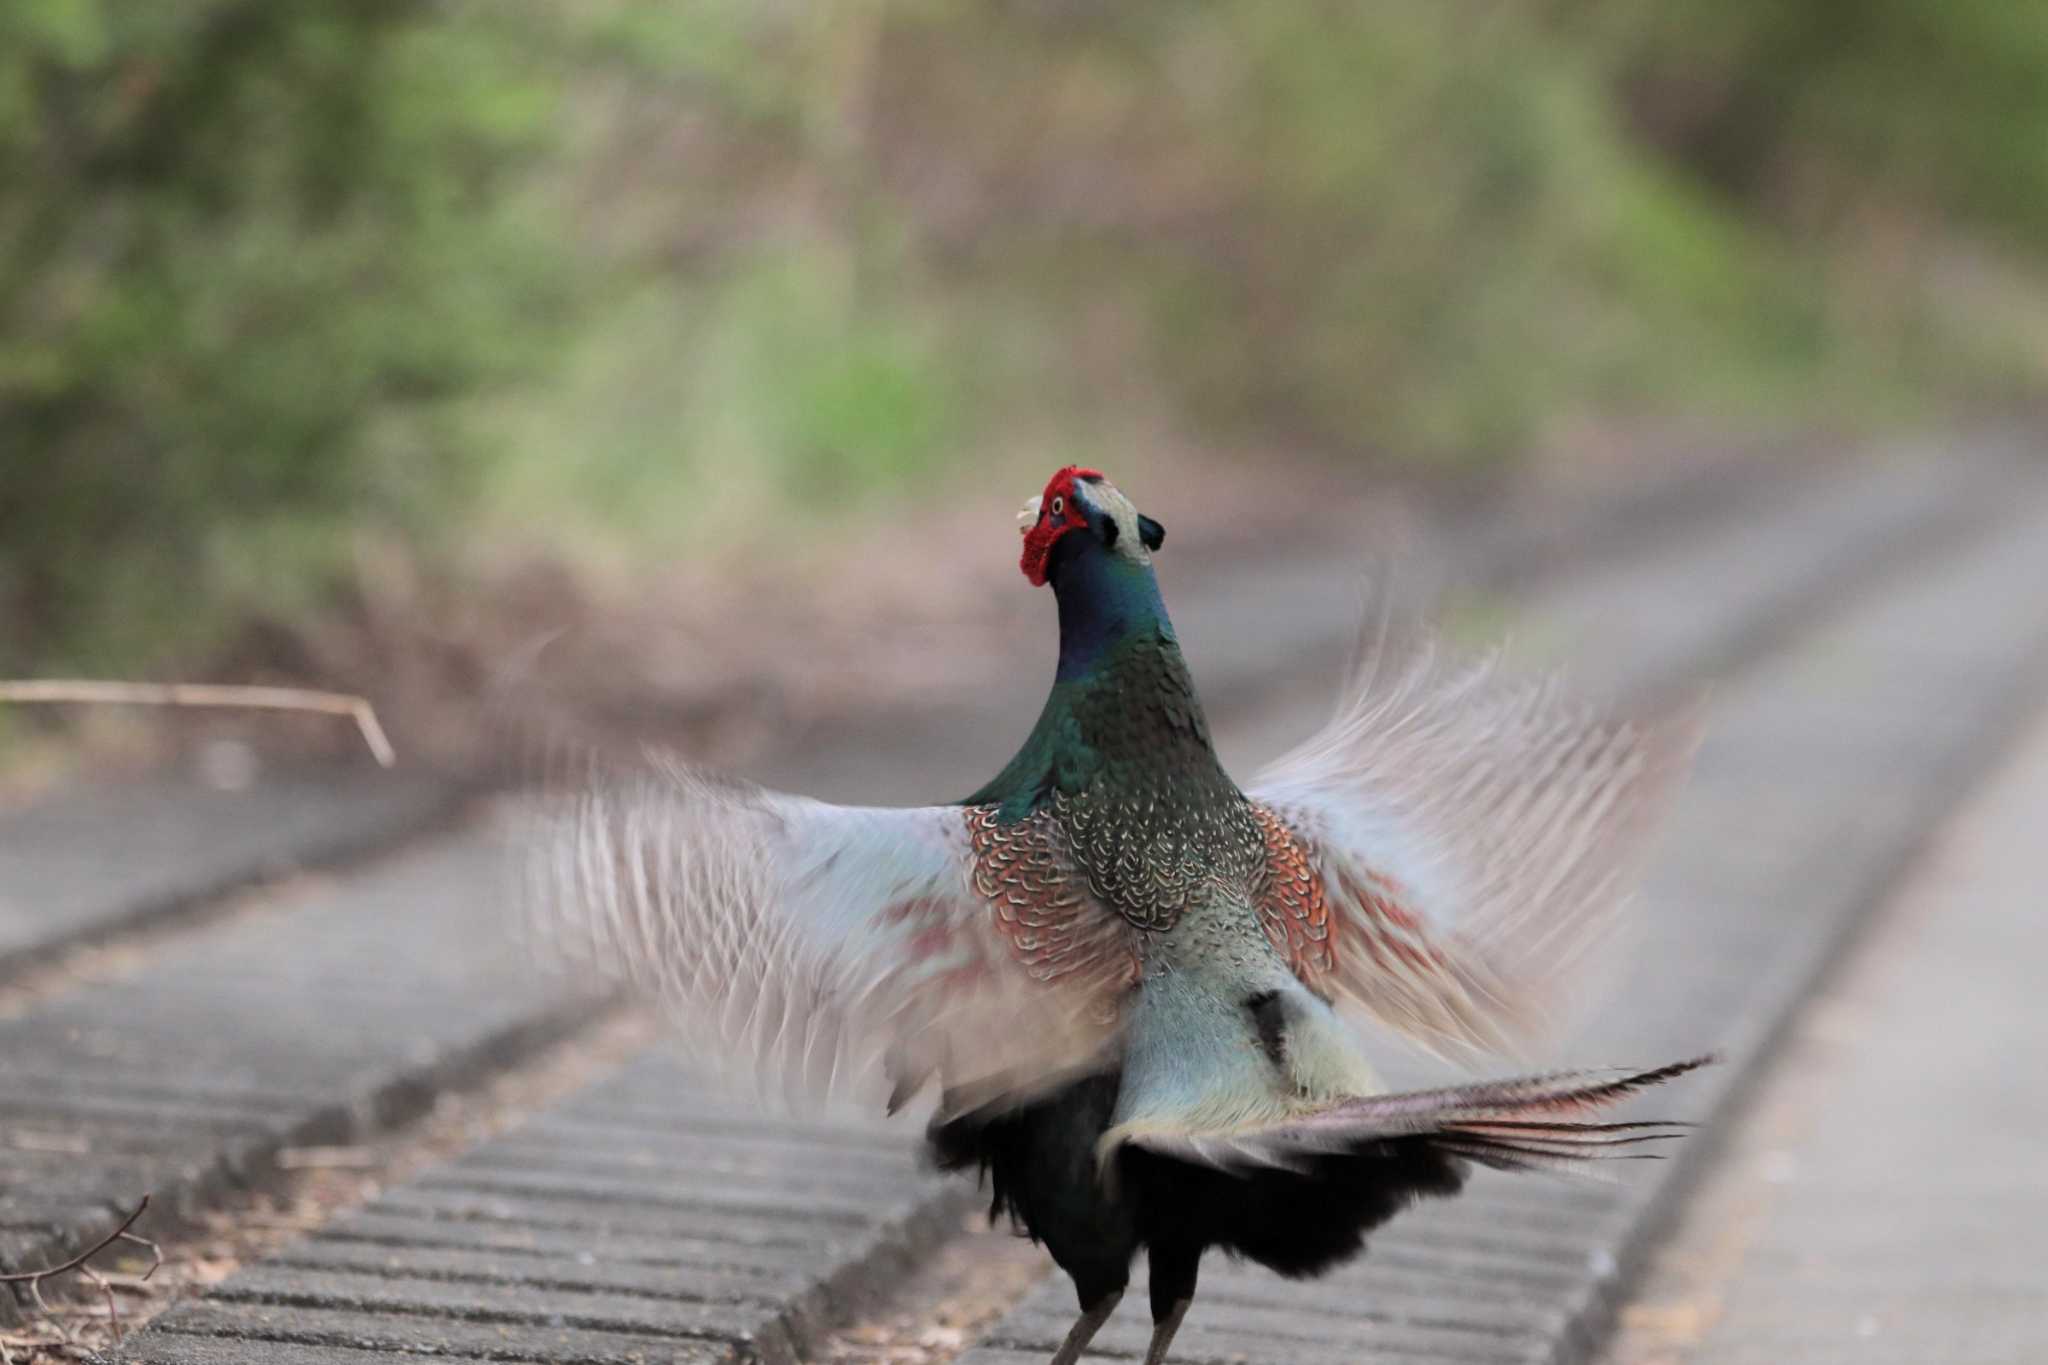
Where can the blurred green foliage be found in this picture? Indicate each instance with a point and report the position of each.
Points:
(279, 274)
(248, 248)
(1818, 111)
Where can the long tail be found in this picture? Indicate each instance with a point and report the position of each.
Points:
(1516, 1136)
(1527, 1124)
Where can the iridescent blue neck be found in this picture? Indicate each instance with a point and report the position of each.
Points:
(1104, 600)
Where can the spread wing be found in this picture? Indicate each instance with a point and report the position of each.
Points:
(832, 951)
(1443, 851)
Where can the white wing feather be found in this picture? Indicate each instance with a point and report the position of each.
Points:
(822, 951)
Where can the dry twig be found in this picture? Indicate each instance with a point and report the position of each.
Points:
(34, 1278)
(209, 694)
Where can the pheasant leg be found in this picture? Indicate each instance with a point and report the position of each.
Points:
(1085, 1328)
(1173, 1274)
(1163, 1330)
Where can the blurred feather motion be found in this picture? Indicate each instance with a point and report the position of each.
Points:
(1130, 982)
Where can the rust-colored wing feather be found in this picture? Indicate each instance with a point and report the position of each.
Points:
(1292, 904)
(1058, 932)
(1348, 935)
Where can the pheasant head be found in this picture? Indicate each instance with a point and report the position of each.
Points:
(1084, 501)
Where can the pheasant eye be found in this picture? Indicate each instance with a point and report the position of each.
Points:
(1059, 504)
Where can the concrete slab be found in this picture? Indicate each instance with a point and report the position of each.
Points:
(182, 844)
(255, 1332)
(1883, 1196)
(647, 1261)
(322, 1017)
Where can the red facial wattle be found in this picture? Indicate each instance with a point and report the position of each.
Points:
(1059, 511)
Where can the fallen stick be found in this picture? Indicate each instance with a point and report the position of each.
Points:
(209, 694)
(34, 1278)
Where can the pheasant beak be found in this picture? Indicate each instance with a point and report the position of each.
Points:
(1029, 516)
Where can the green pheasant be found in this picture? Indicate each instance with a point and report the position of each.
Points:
(1134, 986)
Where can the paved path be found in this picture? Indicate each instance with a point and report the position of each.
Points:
(1872, 634)
(1884, 1199)
(641, 1220)
(329, 1013)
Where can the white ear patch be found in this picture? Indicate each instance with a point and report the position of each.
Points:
(1110, 501)
(1103, 497)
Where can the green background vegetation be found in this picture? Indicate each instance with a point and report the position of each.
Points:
(287, 283)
